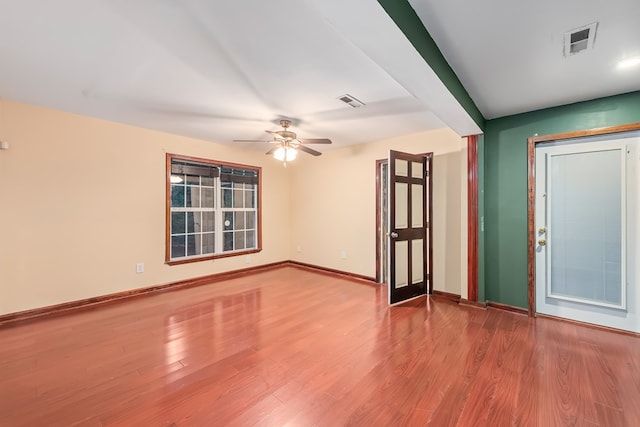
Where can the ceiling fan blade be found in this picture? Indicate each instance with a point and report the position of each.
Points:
(273, 150)
(308, 150)
(314, 141)
(251, 140)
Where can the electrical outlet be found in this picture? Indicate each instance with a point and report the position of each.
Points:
(140, 267)
(299, 249)
(343, 254)
(247, 259)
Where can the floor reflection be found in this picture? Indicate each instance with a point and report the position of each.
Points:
(214, 327)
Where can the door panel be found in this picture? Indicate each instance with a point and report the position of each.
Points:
(408, 219)
(586, 195)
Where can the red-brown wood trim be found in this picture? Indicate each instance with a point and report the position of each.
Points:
(379, 163)
(588, 132)
(476, 304)
(531, 191)
(472, 217)
(531, 247)
(446, 295)
(167, 242)
(89, 303)
(167, 206)
(429, 157)
(333, 272)
(589, 325)
(210, 257)
(505, 307)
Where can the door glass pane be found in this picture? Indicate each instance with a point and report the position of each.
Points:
(402, 213)
(402, 167)
(416, 170)
(416, 206)
(402, 264)
(585, 233)
(417, 264)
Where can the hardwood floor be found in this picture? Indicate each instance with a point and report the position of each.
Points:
(294, 347)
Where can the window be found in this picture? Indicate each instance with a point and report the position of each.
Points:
(213, 209)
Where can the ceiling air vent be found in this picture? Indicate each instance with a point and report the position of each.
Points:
(580, 39)
(348, 99)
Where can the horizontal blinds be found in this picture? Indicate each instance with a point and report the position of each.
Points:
(244, 179)
(195, 170)
(244, 176)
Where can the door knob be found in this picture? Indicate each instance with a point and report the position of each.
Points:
(542, 242)
(393, 234)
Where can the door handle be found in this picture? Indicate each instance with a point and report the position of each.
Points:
(542, 242)
(393, 235)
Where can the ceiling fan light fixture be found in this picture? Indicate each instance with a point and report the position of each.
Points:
(285, 154)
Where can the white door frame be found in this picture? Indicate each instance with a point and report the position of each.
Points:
(532, 231)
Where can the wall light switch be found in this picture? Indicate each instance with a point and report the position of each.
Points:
(4, 145)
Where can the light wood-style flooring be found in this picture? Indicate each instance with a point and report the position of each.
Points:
(294, 347)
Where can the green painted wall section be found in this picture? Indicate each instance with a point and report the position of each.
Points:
(505, 183)
(481, 233)
(410, 24)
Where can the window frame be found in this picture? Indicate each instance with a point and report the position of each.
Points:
(170, 157)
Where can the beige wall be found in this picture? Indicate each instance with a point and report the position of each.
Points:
(333, 206)
(83, 200)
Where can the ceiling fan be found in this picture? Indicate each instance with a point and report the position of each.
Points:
(288, 143)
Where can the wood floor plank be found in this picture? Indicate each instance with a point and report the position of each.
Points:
(294, 347)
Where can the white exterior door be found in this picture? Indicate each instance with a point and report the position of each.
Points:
(587, 258)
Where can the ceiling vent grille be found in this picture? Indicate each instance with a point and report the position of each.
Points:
(348, 99)
(579, 39)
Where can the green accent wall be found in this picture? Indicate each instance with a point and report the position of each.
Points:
(410, 24)
(481, 234)
(505, 184)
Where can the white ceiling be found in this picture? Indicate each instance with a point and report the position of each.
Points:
(223, 70)
(509, 54)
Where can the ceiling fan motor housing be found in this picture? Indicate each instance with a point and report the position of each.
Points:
(287, 134)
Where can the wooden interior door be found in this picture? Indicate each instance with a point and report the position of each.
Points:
(409, 217)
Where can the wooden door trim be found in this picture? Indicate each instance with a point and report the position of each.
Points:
(379, 164)
(531, 193)
(472, 217)
(429, 160)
